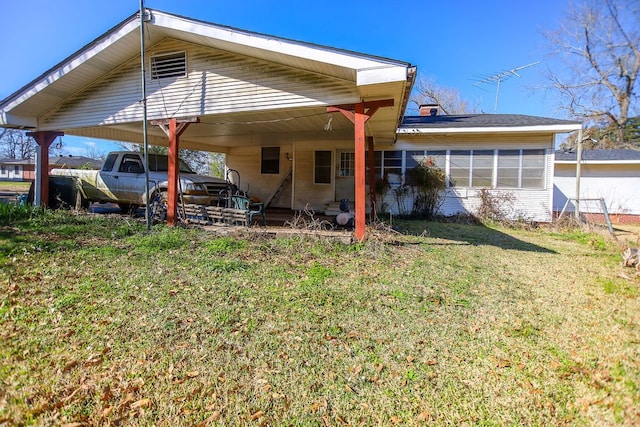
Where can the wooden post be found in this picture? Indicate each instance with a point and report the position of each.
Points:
(44, 140)
(173, 128)
(172, 200)
(358, 114)
(359, 121)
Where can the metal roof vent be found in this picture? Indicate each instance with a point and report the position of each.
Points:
(169, 65)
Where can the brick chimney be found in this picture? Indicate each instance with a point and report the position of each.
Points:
(429, 109)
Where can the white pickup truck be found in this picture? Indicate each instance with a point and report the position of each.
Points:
(122, 180)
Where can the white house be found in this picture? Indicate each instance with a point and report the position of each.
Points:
(294, 119)
(611, 175)
(506, 154)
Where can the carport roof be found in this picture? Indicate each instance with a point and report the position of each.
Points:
(372, 77)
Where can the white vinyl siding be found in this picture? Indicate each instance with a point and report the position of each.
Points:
(217, 82)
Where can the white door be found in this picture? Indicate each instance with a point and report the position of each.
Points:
(345, 182)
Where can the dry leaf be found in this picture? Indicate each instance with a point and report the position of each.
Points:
(73, 425)
(396, 420)
(211, 418)
(431, 362)
(257, 415)
(142, 403)
(380, 367)
(424, 416)
(107, 411)
(193, 374)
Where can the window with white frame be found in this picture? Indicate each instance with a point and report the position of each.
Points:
(482, 168)
(533, 168)
(521, 168)
(388, 163)
(460, 168)
(347, 164)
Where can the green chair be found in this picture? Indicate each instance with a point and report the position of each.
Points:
(243, 203)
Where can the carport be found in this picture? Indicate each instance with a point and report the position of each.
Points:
(212, 87)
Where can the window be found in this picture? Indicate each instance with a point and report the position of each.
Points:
(131, 164)
(3, 170)
(459, 168)
(347, 164)
(439, 158)
(108, 164)
(270, 160)
(508, 169)
(322, 167)
(16, 169)
(533, 162)
(169, 65)
(521, 168)
(482, 168)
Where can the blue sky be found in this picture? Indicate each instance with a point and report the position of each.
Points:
(455, 42)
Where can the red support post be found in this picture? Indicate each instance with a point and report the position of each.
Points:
(44, 140)
(359, 121)
(172, 174)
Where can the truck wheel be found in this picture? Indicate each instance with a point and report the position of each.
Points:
(158, 206)
(128, 208)
(81, 201)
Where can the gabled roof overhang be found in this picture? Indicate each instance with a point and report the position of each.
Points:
(371, 78)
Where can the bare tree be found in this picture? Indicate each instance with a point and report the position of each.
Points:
(598, 47)
(15, 144)
(427, 91)
(199, 161)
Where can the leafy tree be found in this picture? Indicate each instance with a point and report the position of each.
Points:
(427, 91)
(598, 47)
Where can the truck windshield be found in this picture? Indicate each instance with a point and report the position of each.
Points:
(160, 163)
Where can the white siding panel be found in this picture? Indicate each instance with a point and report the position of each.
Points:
(217, 82)
(619, 185)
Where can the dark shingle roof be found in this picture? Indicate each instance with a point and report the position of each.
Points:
(599, 155)
(480, 120)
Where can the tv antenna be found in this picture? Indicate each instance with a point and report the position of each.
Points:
(498, 78)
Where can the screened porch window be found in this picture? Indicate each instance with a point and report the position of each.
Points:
(482, 168)
(521, 168)
(459, 168)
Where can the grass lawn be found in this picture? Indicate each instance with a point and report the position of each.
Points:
(450, 324)
(14, 187)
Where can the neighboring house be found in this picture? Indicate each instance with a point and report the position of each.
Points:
(612, 175)
(510, 155)
(24, 169)
(287, 114)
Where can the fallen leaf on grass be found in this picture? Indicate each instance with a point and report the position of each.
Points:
(142, 403)
(257, 415)
(193, 374)
(424, 416)
(211, 418)
(107, 411)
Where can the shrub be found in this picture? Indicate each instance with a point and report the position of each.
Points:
(428, 183)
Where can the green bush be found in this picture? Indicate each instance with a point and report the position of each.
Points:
(428, 183)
